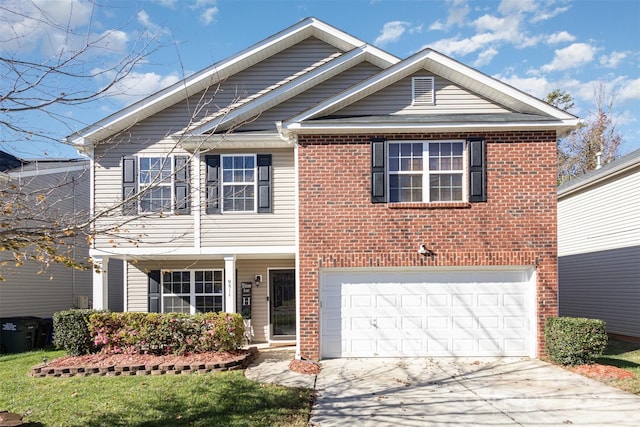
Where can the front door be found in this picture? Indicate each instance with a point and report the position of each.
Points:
(283, 302)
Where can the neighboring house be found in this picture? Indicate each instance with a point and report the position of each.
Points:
(362, 204)
(28, 290)
(599, 246)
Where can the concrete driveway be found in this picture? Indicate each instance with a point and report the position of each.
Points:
(464, 392)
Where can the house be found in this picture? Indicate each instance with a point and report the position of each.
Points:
(350, 201)
(599, 246)
(27, 290)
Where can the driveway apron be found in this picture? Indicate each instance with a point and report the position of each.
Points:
(465, 392)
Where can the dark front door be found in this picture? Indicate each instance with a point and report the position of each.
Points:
(283, 302)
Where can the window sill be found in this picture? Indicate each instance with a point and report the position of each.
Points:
(437, 205)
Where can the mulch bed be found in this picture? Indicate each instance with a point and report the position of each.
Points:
(144, 364)
(602, 372)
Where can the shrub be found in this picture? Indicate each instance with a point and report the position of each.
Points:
(71, 332)
(170, 333)
(574, 341)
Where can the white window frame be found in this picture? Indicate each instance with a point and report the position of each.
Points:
(426, 172)
(166, 161)
(224, 184)
(192, 288)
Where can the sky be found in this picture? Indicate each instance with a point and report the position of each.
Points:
(535, 45)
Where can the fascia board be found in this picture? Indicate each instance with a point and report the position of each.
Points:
(306, 128)
(211, 75)
(497, 85)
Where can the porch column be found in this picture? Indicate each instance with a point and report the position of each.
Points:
(230, 283)
(100, 284)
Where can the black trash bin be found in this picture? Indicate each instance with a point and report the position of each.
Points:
(18, 334)
(44, 333)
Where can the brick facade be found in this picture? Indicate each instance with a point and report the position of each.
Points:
(340, 227)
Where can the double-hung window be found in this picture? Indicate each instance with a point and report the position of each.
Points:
(238, 183)
(192, 291)
(426, 171)
(155, 184)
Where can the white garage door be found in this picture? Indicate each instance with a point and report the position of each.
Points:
(427, 313)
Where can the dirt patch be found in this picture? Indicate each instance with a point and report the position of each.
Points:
(304, 367)
(602, 372)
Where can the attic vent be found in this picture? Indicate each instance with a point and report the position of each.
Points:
(423, 90)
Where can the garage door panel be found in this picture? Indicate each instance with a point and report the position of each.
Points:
(463, 313)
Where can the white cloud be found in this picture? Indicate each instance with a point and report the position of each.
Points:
(628, 90)
(613, 60)
(561, 37)
(391, 32)
(543, 15)
(485, 57)
(508, 7)
(209, 15)
(138, 85)
(573, 56)
(458, 11)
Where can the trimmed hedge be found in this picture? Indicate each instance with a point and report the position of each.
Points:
(575, 341)
(71, 332)
(165, 333)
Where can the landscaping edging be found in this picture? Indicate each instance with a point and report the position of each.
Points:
(240, 362)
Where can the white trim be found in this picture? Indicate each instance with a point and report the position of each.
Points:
(81, 165)
(233, 183)
(311, 128)
(297, 249)
(229, 283)
(188, 251)
(196, 198)
(418, 90)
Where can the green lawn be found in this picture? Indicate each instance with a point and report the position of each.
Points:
(624, 355)
(216, 399)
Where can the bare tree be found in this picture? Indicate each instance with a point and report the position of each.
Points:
(595, 142)
(51, 60)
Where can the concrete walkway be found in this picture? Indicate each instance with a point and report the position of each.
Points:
(450, 391)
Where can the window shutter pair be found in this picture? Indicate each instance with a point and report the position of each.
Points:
(182, 188)
(264, 202)
(477, 170)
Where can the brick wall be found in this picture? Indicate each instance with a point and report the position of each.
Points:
(340, 227)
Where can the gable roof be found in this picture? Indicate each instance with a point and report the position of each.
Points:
(529, 112)
(610, 170)
(309, 27)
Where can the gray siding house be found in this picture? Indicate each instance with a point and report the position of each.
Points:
(599, 246)
(27, 290)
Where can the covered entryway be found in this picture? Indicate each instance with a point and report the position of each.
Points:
(399, 313)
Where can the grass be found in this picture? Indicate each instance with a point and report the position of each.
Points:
(227, 398)
(625, 355)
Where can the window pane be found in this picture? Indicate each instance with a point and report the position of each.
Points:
(176, 304)
(405, 188)
(445, 187)
(156, 199)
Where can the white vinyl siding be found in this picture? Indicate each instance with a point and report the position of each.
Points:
(587, 222)
(27, 291)
(307, 99)
(255, 229)
(397, 99)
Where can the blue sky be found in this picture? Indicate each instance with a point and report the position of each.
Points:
(534, 45)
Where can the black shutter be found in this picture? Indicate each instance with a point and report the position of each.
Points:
(181, 188)
(264, 183)
(378, 171)
(477, 170)
(154, 291)
(213, 183)
(129, 185)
